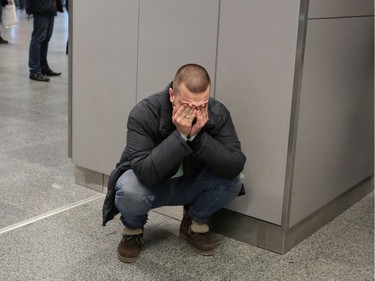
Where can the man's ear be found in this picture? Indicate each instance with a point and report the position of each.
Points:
(171, 95)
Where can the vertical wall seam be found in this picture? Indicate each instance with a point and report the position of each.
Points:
(137, 59)
(293, 125)
(217, 49)
(70, 82)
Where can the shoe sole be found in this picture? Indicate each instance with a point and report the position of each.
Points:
(38, 80)
(125, 259)
(198, 251)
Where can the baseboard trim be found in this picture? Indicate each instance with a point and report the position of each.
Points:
(273, 237)
(250, 230)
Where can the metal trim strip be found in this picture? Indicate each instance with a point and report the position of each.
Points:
(70, 81)
(293, 126)
(51, 213)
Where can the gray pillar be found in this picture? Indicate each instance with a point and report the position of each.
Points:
(297, 77)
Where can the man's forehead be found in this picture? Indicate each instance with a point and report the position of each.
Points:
(196, 104)
(195, 99)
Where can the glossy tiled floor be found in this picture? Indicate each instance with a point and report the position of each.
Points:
(50, 228)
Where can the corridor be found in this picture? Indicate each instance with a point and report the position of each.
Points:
(50, 228)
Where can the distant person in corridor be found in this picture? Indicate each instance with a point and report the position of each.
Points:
(44, 12)
(2, 4)
(182, 149)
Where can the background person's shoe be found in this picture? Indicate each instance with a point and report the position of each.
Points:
(3, 41)
(200, 239)
(50, 72)
(39, 77)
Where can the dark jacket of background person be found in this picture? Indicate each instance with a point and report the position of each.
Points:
(43, 7)
(3, 3)
(159, 155)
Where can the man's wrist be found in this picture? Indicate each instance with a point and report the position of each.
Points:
(187, 138)
(191, 138)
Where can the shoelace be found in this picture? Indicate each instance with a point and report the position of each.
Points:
(130, 237)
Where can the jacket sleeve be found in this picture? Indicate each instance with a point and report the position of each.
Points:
(221, 150)
(152, 162)
(110, 210)
(43, 7)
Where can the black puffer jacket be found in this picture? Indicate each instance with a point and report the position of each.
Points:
(43, 7)
(155, 148)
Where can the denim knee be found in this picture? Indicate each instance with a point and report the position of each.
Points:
(133, 200)
(219, 194)
(236, 184)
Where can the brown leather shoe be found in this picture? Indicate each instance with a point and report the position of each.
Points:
(201, 242)
(129, 247)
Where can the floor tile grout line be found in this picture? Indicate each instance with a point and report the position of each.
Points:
(50, 213)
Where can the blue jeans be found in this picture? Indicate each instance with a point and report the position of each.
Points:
(21, 4)
(204, 194)
(42, 32)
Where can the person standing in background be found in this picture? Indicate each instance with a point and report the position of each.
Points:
(3, 3)
(21, 4)
(67, 10)
(44, 12)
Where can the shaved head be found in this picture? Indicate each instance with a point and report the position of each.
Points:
(193, 76)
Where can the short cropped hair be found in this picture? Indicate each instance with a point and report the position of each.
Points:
(193, 76)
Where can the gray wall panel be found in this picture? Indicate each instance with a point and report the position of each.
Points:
(172, 33)
(255, 70)
(340, 8)
(334, 148)
(104, 80)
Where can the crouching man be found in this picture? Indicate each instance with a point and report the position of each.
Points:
(182, 149)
